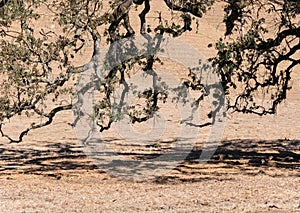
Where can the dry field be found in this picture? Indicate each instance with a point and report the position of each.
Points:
(256, 168)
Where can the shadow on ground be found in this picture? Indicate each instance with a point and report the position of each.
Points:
(274, 158)
(42, 158)
(232, 157)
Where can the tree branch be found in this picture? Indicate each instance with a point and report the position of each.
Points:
(50, 117)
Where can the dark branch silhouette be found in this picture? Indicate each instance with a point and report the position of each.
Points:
(248, 59)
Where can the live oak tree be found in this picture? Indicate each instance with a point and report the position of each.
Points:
(39, 69)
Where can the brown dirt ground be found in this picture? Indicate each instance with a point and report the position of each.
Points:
(50, 172)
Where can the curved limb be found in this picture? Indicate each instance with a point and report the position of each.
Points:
(3, 3)
(195, 8)
(138, 2)
(143, 16)
(119, 14)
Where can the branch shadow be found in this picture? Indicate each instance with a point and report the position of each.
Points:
(279, 154)
(245, 157)
(234, 157)
(45, 158)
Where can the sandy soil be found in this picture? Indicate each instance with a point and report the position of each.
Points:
(256, 168)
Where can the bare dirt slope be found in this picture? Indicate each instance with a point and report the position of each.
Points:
(255, 169)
